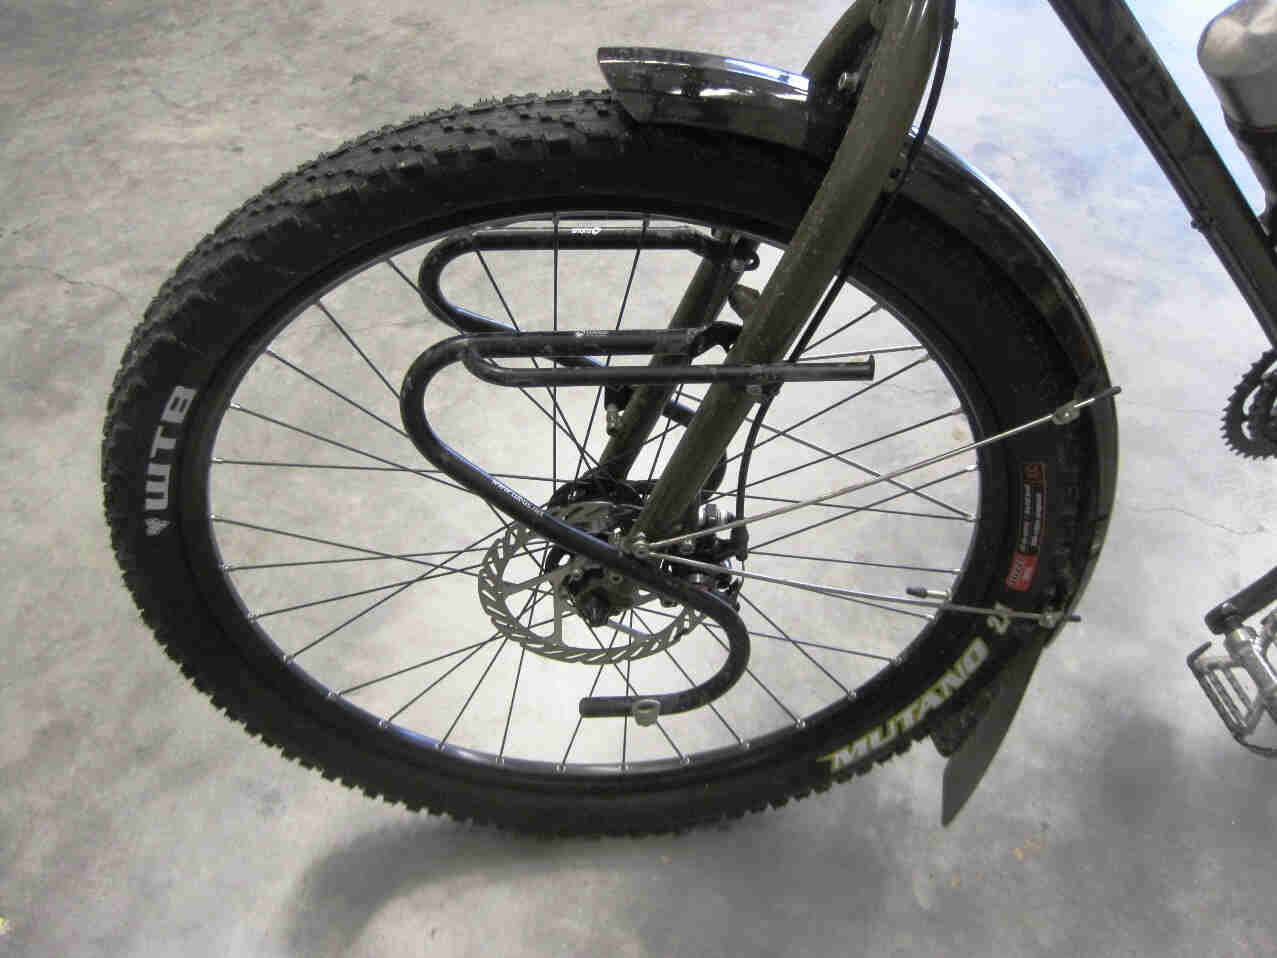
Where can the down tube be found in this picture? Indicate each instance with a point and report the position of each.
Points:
(1125, 60)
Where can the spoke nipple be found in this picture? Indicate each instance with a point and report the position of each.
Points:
(744, 746)
(686, 760)
(331, 695)
(383, 724)
(921, 593)
(800, 724)
(1066, 414)
(288, 659)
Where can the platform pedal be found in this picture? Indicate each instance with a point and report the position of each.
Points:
(1242, 711)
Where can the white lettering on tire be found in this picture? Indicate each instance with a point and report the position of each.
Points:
(912, 714)
(159, 466)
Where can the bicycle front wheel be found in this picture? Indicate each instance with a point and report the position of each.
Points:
(332, 591)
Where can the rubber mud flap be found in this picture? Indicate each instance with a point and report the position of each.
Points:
(965, 769)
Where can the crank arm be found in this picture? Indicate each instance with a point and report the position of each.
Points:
(574, 541)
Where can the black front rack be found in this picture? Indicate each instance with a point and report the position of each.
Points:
(571, 352)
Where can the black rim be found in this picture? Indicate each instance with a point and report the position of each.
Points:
(872, 698)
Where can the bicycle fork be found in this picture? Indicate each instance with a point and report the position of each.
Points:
(909, 34)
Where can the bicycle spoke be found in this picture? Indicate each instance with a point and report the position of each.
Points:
(834, 405)
(554, 392)
(692, 682)
(473, 652)
(805, 654)
(875, 351)
(593, 686)
(256, 616)
(598, 393)
(625, 722)
(678, 394)
(382, 601)
(470, 698)
(417, 698)
(362, 355)
(806, 642)
(554, 418)
(564, 426)
(354, 548)
(841, 457)
(359, 615)
(828, 336)
(865, 562)
(323, 465)
(354, 618)
(837, 493)
(402, 275)
(419, 665)
(815, 525)
(633, 691)
(843, 508)
(848, 594)
(750, 672)
(340, 395)
(308, 562)
(341, 445)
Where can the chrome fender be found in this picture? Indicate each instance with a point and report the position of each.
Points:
(767, 103)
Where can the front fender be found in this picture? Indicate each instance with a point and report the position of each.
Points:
(762, 102)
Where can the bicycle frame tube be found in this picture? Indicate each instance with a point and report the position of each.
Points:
(1107, 32)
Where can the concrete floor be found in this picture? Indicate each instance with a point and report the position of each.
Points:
(1119, 818)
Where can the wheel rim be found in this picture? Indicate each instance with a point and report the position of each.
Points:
(308, 444)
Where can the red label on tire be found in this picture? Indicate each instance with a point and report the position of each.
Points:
(1023, 568)
(1024, 563)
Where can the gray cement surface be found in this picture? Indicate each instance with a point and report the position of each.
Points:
(1119, 818)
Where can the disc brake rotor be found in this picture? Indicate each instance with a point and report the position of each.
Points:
(505, 597)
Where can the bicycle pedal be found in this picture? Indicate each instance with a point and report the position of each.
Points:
(1241, 710)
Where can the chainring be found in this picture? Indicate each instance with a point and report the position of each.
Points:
(1250, 418)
